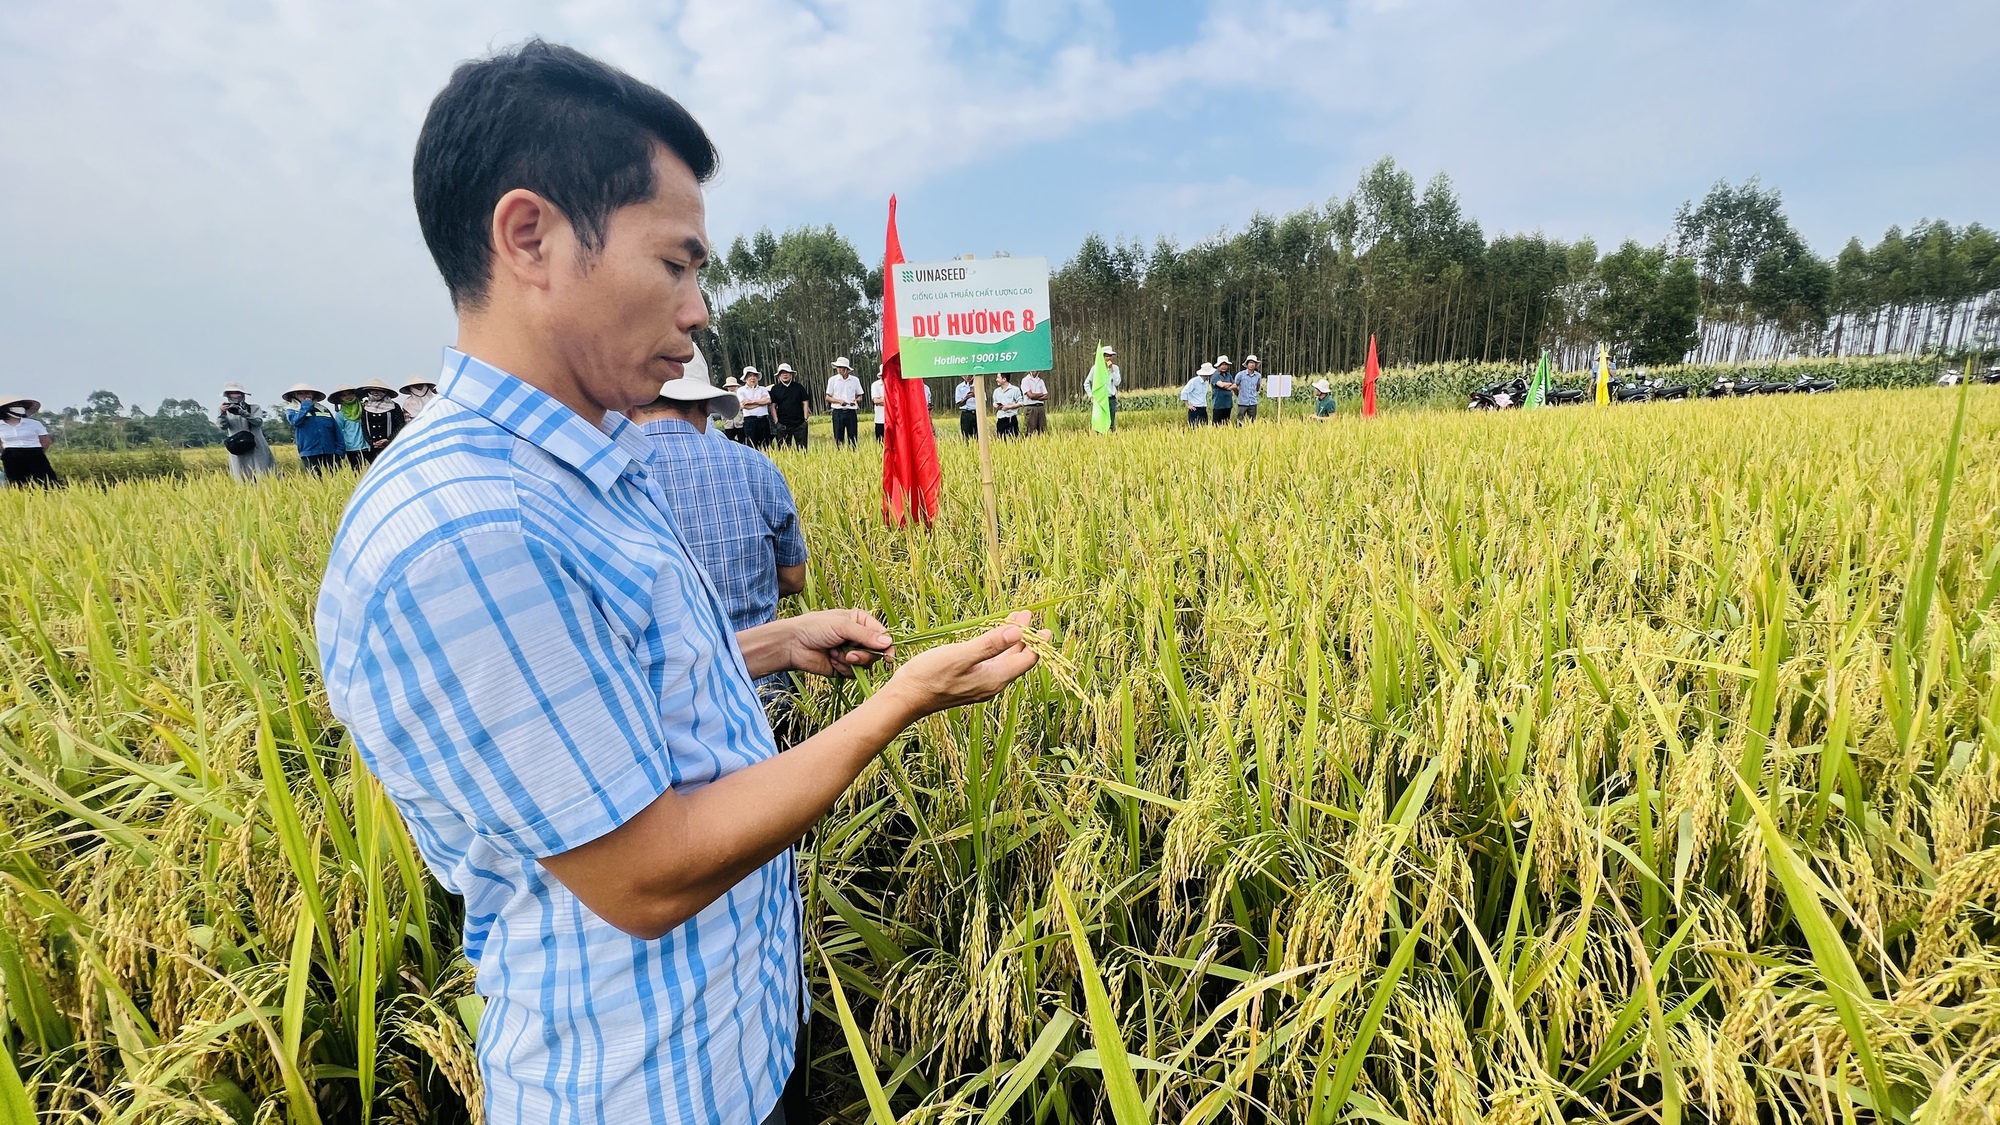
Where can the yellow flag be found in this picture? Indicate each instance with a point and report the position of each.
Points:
(1603, 376)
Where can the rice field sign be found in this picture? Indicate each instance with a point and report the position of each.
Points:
(976, 315)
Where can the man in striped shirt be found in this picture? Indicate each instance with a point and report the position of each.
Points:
(527, 656)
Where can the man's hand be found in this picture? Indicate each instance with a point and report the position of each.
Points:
(827, 642)
(685, 850)
(968, 672)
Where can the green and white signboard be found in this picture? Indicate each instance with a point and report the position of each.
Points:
(977, 315)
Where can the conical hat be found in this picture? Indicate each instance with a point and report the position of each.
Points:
(377, 385)
(422, 381)
(302, 388)
(31, 405)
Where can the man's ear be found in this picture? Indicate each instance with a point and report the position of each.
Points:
(526, 230)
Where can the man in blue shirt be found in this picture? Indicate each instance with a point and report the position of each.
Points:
(1249, 382)
(315, 431)
(734, 508)
(521, 645)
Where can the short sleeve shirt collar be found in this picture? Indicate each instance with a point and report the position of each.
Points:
(600, 455)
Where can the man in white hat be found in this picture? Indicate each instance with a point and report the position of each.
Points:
(732, 426)
(756, 400)
(734, 508)
(1112, 376)
(791, 405)
(1324, 405)
(24, 443)
(1249, 382)
(1221, 392)
(242, 425)
(843, 401)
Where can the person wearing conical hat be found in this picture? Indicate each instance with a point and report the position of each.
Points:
(242, 425)
(418, 393)
(24, 444)
(381, 418)
(315, 429)
(346, 403)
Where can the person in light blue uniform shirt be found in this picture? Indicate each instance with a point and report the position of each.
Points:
(515, 634)
(1249, 382)
(1194, 395)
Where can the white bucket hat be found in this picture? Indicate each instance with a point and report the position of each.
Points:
(842, 364)
(695, 387)
(1251, 359)
(1110, 351)
(1220, 360)
(784, 367)
(234, 389)
(1207, 369)
(1322, 386)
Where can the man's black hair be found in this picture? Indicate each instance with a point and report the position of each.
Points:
(550, 119)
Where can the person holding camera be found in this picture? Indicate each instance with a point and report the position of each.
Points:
(242, 424)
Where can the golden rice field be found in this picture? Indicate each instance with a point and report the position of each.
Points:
(1634, 765)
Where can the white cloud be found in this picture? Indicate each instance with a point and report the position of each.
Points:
(207, 191)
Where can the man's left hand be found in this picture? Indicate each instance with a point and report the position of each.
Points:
(827, 642)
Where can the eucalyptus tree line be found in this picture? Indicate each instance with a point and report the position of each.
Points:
(1733, 282)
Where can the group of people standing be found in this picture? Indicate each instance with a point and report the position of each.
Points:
(349, 427)
(1018, 407)
(777, 414)
(1217, 394)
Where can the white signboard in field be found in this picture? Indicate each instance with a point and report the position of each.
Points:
(975, 315)
(1278, 386)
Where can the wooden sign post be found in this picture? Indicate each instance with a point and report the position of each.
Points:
(989, 492)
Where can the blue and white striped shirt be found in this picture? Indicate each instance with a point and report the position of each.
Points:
(735, 512)
(526, 655)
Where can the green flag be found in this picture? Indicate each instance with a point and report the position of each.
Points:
(1099, 383)
(1538, 387)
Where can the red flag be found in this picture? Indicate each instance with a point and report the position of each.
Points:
(1368, 377)
(911, 479)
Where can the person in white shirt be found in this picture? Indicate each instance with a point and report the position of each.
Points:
(1006, 408)
(756, 402)
(1034, 404)
(24, 444)
(843, 401)
(1194, 395)
(1115, 378)
(876, 390)
(417, 394)
(966, 396)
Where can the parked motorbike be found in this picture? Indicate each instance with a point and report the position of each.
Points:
(1664, 391)
(1500, 396)
(1807, 385)
(1735, 388)
(1566, 396)
(1992, 374)
(1630, 392)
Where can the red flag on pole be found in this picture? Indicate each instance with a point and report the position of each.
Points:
(1368, 377)
(911, 479)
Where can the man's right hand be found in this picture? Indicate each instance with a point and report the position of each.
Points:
(964, 673)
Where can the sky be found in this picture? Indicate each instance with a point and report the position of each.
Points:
(212, 190)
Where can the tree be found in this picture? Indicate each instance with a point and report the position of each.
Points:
(1673, 323)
